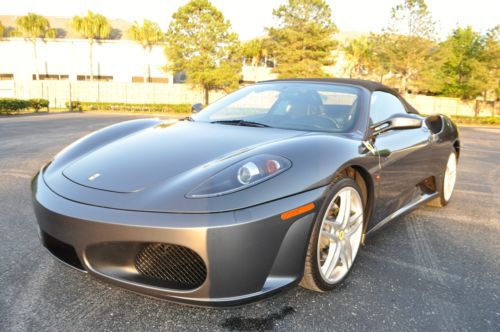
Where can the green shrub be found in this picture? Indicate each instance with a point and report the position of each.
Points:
(164, 108)
(474, 120)
(8, 105)
(478, 120)
(38, 104)
(13, 105)
(75, 106)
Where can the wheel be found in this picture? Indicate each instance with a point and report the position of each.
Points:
(448, 184)
(336, 237)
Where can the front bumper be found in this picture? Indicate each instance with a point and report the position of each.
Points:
(248, 254)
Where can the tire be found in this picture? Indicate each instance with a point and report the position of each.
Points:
(327, 261)
(448, 182)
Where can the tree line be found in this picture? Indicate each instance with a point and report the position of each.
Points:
(405, 55)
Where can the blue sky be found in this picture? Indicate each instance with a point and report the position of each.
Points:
(250, 17)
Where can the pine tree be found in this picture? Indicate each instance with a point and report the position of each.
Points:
(200, 43)
(303, 40)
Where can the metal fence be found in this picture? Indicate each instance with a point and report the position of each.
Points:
(453, 106)
(60, 92)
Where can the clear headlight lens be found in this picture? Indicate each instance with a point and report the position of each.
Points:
(241, 175)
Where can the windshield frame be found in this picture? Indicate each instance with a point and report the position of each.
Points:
(357, 126)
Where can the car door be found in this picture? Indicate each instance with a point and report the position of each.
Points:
(404, 157)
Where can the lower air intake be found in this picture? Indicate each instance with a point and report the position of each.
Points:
(178, 266)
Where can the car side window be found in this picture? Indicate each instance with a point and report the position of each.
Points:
(383, 106)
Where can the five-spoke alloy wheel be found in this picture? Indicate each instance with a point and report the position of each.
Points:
(450, 176)
(336, 237)
(448, 182)
(340, 235)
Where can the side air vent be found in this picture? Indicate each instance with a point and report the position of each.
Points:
(61, 250)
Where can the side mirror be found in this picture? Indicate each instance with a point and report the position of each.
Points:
(396, 122)
(196, 108)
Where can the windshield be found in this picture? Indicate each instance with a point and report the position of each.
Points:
(288, 105)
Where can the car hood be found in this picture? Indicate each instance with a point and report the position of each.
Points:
(136, 162)
(147, 165)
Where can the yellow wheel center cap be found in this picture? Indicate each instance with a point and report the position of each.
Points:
(341, 235)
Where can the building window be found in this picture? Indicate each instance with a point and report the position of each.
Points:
(159, 79)
(96, 78)
(6, 77)
(51, 77)
(180, 77)
(140, 79)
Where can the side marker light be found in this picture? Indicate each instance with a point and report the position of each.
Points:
(295, 212)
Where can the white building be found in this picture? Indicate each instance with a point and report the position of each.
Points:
(118, 66)
(68, 59)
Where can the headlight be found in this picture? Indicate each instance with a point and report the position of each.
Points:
(241, 175)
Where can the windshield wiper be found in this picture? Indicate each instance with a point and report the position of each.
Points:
(241, 122)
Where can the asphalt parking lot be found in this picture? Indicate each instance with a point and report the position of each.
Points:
(435, 269)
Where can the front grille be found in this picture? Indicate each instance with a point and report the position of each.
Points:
(179, 266)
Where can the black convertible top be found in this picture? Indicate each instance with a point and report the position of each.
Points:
(369, 85)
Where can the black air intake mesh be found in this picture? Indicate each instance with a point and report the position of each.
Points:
(179, 266)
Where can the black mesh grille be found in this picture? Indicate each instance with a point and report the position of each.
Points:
(179, 266)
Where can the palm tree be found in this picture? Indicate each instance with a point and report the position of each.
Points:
(358, 51)
(92, 27)
(253, 50)
(32, 27)
(257, 50)
(148, 35)
(2, 30)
